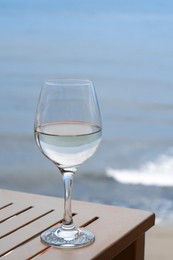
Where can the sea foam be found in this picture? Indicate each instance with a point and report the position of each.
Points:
(156, 173)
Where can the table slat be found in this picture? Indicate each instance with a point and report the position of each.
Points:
(34, 246)
(14, 223)
(27, 232)
(12, 210)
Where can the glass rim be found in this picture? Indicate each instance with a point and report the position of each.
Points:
(68, 81)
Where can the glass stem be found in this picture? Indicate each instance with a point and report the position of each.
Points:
(68, 183)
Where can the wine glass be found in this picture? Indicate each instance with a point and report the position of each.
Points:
(68, 131)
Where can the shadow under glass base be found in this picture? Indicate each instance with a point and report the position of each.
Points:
(64, 238)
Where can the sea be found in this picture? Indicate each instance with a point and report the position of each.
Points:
(126, 49)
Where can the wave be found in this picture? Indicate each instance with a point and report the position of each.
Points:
(157, 173)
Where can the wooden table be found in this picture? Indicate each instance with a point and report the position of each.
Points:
(119, 231)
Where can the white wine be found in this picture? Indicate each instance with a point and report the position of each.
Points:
(68, 144)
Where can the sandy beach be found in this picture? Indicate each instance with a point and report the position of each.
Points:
(159, 242)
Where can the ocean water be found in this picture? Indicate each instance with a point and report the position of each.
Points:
(126, 48)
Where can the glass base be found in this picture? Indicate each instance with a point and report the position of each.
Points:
(65, 238)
